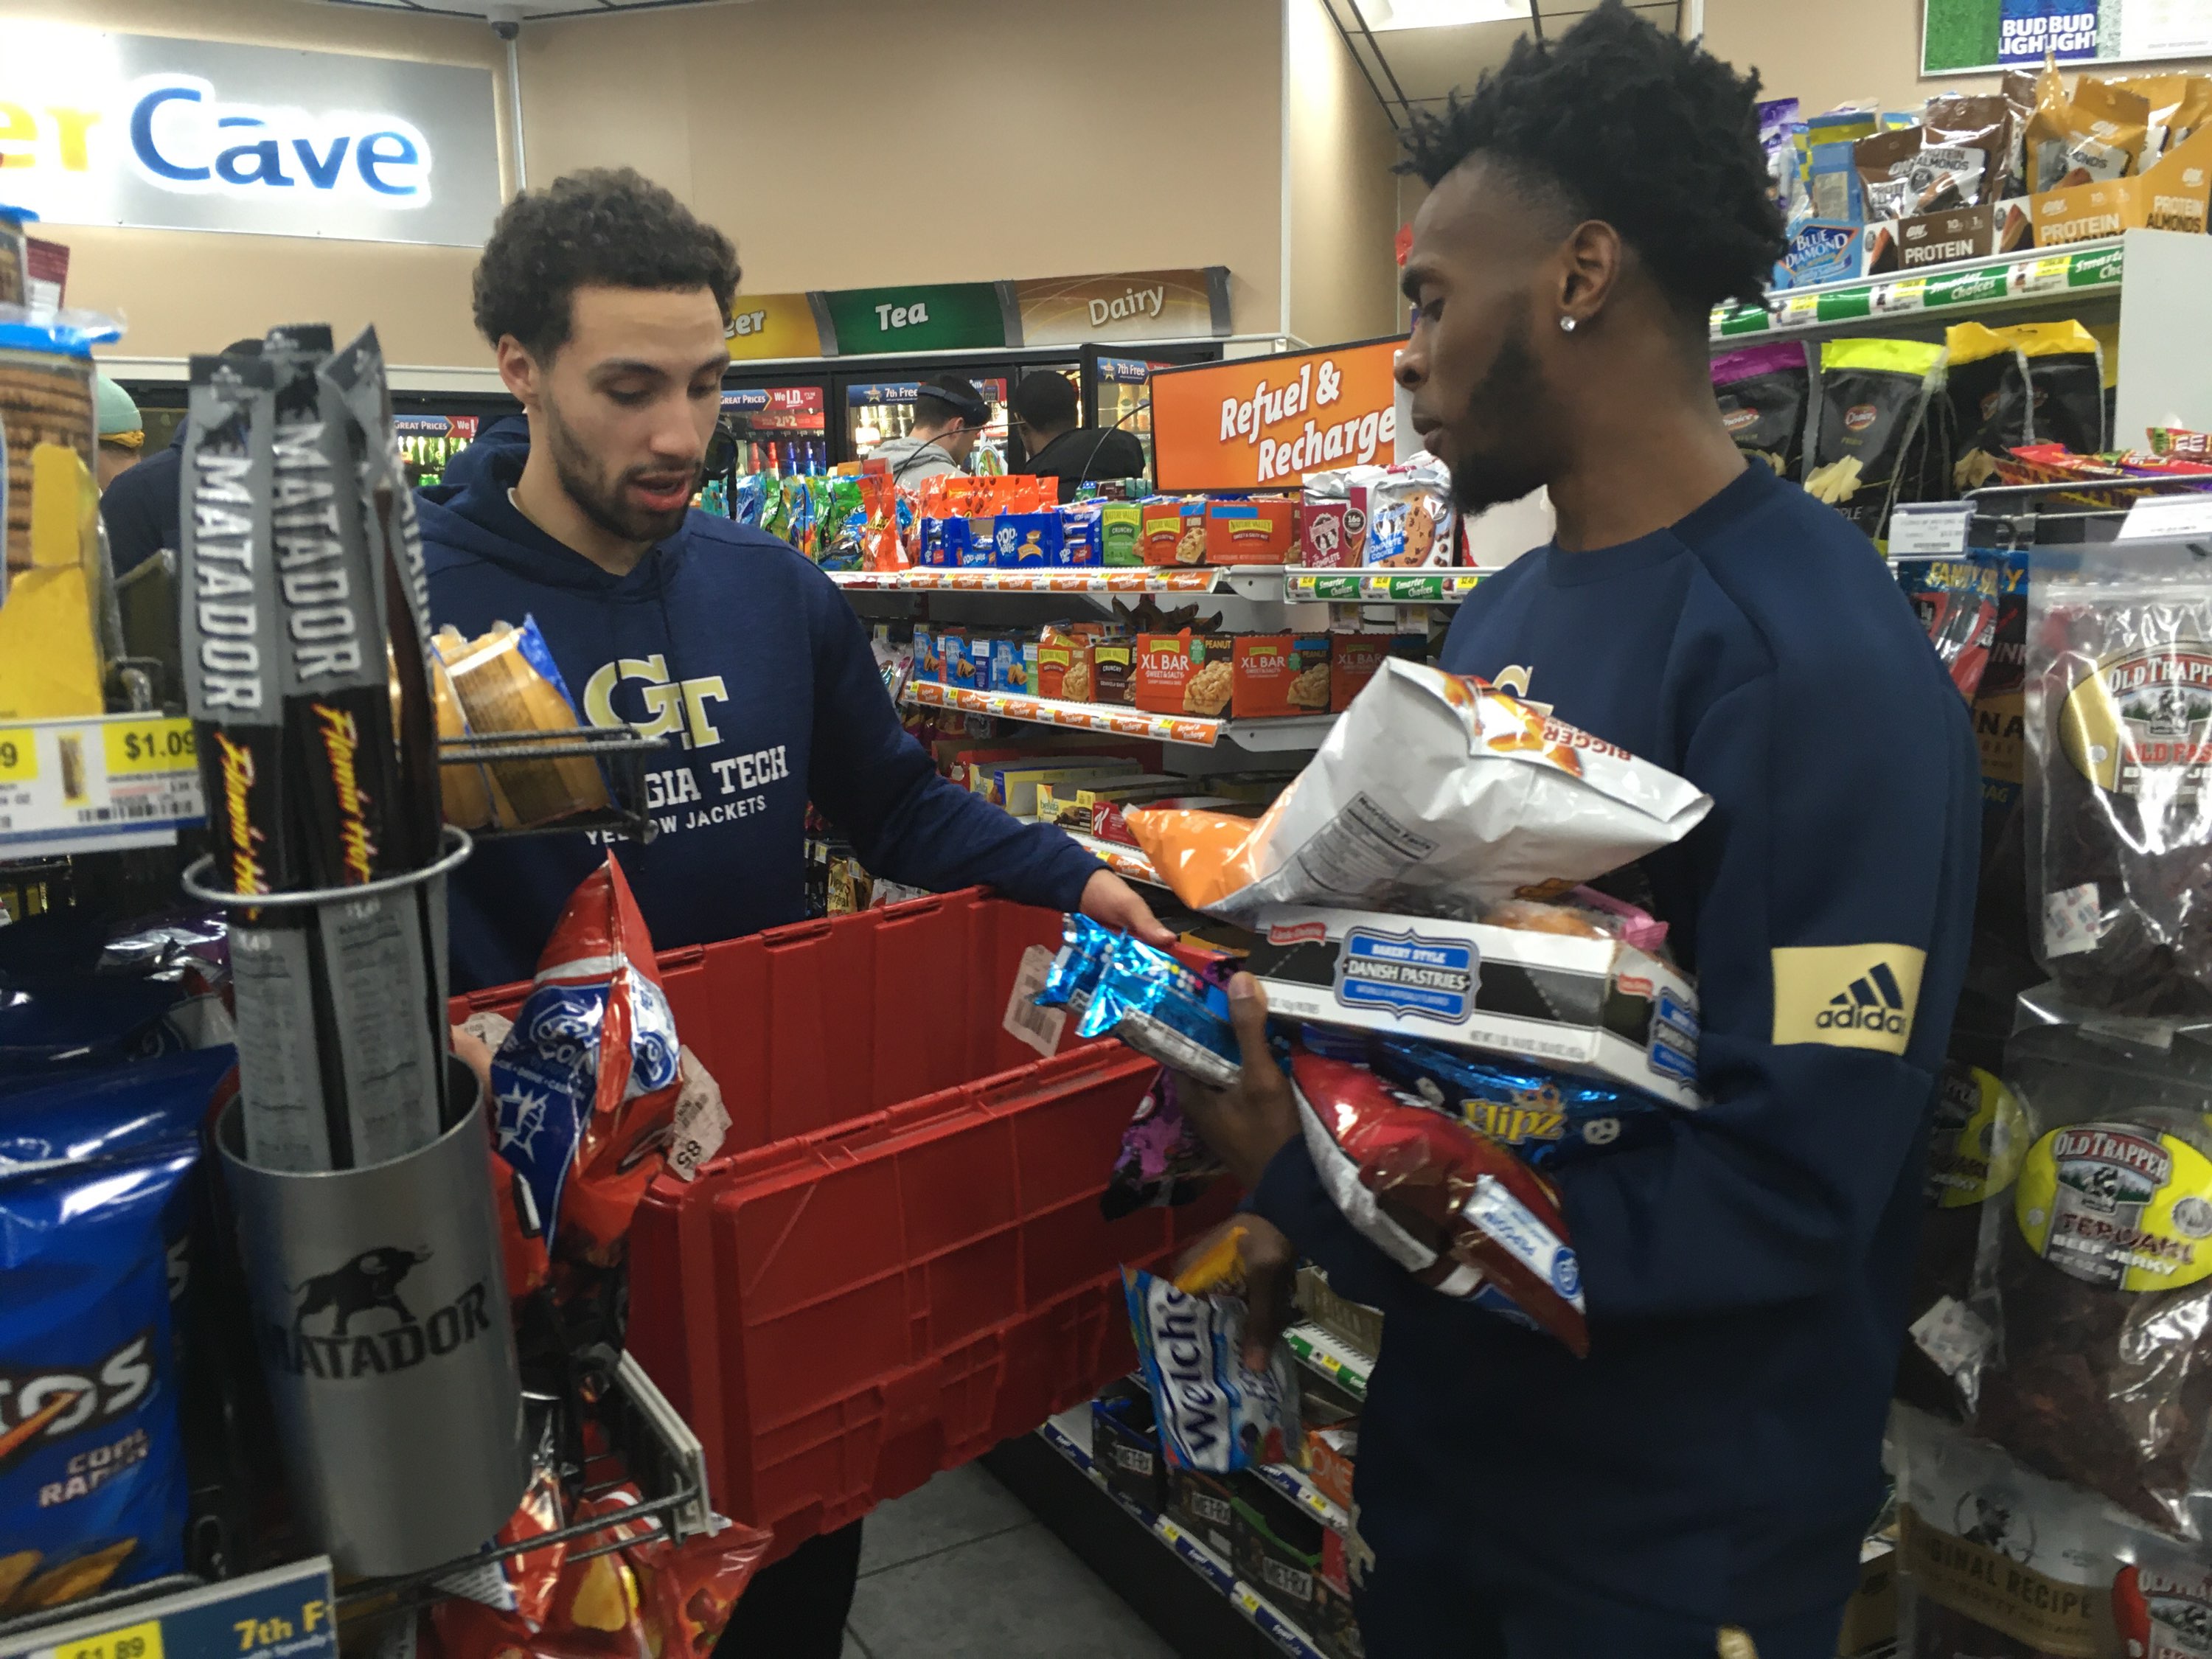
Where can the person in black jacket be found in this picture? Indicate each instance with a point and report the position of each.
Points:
(1046, 410)
(140, 508)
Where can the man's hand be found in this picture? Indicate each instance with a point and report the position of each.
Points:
(1270, 1274)
(477, 1057)
(1246, 1126)
(1111, 900)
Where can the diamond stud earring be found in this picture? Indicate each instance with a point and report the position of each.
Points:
(1566, 325)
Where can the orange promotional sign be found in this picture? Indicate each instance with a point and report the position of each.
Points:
(1262, 422)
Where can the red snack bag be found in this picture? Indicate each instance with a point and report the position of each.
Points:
(1453, 1207)
(586, 1081)
(691, 1588)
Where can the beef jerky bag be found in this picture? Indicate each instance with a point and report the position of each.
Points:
(1869, 444)
(1764, 394)
(1994, 1561)
(1978, 1139)
(2119, 719)
(2103, 1373)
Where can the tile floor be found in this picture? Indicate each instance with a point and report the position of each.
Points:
(962, 1567)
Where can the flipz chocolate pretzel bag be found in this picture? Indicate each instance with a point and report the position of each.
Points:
(2119, 816)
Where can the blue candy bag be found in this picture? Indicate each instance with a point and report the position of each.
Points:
(1085, 949)
(1547, 1118)
(93, 1491)
(1165, 1011)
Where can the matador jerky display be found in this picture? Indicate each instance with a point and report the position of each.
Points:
(302, 605)
(2102, 1369)
(2119, 730)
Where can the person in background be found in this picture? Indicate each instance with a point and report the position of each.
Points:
(605, 300)
(1709, 1470)
(1046, 409)
(122, 431)
(140, 508)
(949, 416)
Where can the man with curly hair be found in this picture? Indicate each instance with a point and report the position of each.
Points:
(606, 301)
(1711, 1467)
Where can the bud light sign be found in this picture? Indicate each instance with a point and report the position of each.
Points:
(148, 132)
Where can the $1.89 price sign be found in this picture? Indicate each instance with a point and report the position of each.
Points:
(286, 1613)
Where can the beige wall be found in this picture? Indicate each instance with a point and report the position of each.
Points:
(1826, 53)
(1117, 135)
(1343, 196)
(179, 292)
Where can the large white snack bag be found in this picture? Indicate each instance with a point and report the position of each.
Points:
(1434, 793)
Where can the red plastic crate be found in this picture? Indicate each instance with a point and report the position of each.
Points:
(898, 1260)
(808, 1025)
(841, 1316)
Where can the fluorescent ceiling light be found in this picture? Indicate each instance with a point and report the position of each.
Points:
(1440, 14)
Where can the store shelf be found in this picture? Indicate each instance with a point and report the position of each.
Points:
(1294, 1485)
(1192, 1554)
(1383, 587)
(1334, 1358)
(1251, 581)
(1264, 737)
(2085, 269)
(97, 783)
(1122, 858)
(286, 1613)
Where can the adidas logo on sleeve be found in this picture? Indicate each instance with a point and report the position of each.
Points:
(1848, 996)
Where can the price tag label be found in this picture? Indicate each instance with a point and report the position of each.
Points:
(1926, 527)
(19, 754)
(2158, 516)
(137, 1641)
(150, 745)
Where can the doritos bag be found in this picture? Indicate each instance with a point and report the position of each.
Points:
(1444, 1200)
(588, 1079)
(93, 1492)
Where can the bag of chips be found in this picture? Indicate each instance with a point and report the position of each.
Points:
(587, 1079)
(93, 1492)
(1215, 1414)
(1445, 1202)
(1435, 792)
(1873, 403)
(1549, 1119)
(1165, 1011)
(1765, 393)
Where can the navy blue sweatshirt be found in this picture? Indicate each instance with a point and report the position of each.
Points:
(750, 664)
(1717, 1455)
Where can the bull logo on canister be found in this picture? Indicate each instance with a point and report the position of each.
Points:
(368, 1282)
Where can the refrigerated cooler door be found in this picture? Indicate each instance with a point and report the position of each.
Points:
(786, 428)
(1125, 399)
(877, 411)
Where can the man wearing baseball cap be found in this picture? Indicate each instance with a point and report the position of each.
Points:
(122, 431)
(949, 416)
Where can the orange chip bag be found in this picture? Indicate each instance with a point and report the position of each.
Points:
(1203, 855)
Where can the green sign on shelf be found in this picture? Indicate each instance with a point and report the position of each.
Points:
(928, 317)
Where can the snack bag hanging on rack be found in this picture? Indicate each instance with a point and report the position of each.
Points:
(586, 1081)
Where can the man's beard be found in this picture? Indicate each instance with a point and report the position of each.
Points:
(603, 499)
(1506, 408)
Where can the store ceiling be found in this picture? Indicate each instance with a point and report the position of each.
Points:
(523, 11)
(1419, 69)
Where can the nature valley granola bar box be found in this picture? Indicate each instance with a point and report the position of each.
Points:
(1276, 675)
(1184, 673)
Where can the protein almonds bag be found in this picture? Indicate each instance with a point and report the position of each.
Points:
(1435, 792)
(1765, 395)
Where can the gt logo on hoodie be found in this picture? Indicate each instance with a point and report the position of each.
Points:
(679, 705)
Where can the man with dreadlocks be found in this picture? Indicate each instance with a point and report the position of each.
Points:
(1714, 1462)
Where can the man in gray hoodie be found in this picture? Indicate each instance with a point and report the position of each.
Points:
(949, 416)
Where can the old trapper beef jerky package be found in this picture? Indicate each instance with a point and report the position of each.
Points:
(2119, 729)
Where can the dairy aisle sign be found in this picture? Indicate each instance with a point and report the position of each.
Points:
(155, 133)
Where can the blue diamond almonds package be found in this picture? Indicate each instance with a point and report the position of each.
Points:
(93, 1492)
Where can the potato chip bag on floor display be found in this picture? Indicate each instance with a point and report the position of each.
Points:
(92, 1493)
(587, 1080)
(1436, 792)
(1444, 1200)
(1214, 1415)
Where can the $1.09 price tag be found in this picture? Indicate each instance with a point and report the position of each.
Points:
(153, 745)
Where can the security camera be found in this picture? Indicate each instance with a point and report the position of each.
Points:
(506, 21)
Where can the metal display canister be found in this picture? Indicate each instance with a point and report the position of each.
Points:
(45, 397)
(381, 1313)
